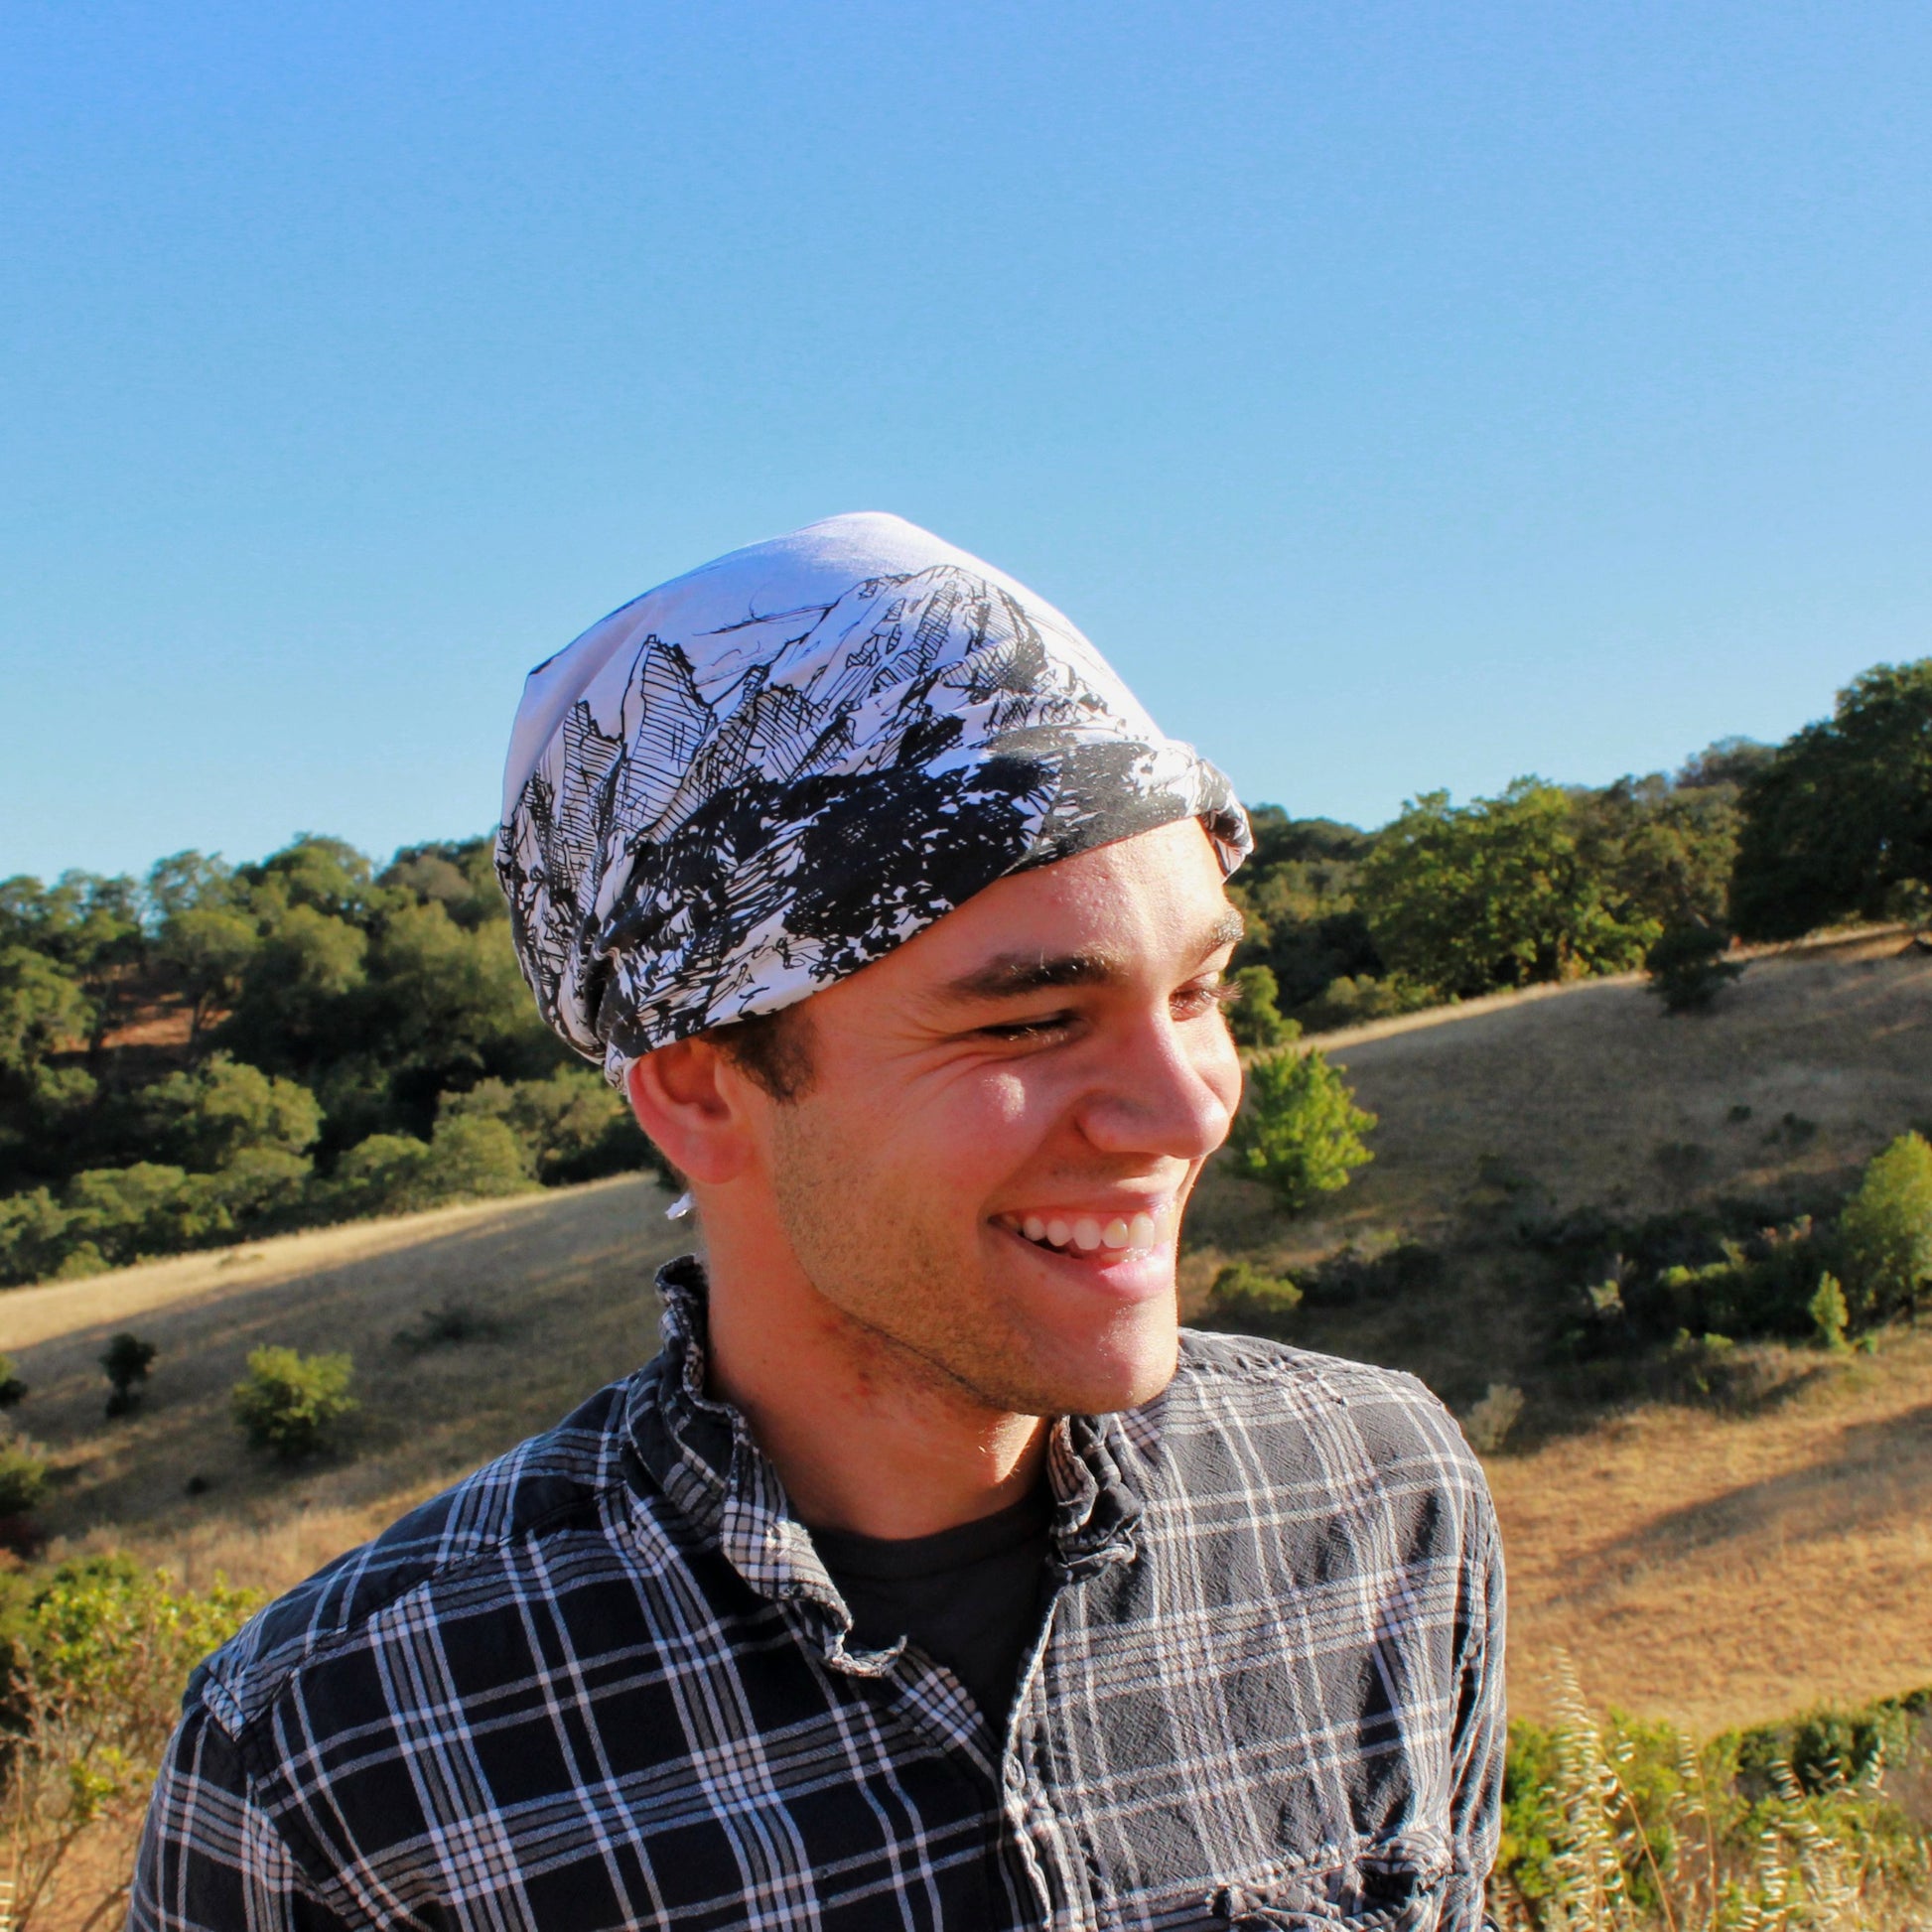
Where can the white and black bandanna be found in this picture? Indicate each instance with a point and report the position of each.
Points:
(764, 774)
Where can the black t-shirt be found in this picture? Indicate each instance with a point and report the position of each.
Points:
(969, 1598)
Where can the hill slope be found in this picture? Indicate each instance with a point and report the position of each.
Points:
(1714, 1568)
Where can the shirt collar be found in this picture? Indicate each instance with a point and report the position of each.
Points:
(699, 1453)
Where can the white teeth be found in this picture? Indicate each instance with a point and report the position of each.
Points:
(1086, 1233)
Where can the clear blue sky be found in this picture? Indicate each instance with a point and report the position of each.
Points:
(1402, 396)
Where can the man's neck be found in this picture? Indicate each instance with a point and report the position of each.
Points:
(865, 1437)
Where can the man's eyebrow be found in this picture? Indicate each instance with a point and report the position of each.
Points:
(1010, 974)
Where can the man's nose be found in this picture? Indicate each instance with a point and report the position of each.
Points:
(1167, 1089)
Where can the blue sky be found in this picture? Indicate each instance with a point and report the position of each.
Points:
(1402, 396)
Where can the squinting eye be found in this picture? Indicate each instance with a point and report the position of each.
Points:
(1200, 999)
(1023, 1029)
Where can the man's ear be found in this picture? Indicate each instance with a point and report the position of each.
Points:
(695, 1105)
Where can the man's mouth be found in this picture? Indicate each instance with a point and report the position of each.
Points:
(1091, 1234)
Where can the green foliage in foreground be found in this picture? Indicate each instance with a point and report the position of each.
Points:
(1300, 1131)
(292, 1404)
(93, 1659)
(1615, 1825)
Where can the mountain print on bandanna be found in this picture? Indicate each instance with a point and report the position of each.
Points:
(762, 777)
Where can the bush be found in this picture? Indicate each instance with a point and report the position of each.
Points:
(1244, 1301)
(1488, 1423)
(572, 1125)
(291, 1403)
(1614, 1823)
(1828, 1313)
(23, 1479)
(12, 1388)
(471, 1156)
(99, 1656)
(1355, 1000)
(125, 1363)
(32, 1231)
(1300, 1133)
(1886, 1232)
(1687, 968)
(204, 1118)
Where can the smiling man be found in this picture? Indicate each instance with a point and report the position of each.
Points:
(931, 1575)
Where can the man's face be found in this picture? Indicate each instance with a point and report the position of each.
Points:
(1048, 1061)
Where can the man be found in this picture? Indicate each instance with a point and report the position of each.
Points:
(928, 1577)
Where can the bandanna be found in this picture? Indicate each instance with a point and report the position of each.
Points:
(763, 776)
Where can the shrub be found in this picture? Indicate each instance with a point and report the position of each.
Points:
(207, 1116)
(1300, 1133)
(23, 1479)
(572, 1126)
(125, 1363)
(1488, 1423)
(12, 1388)
(33, 1230)
(1687, 968)
(471, 1156)
(449, 1324)
(1828, 1313)
(99, 1656)
(291, 1403)
(1353, 1000)
(1886, 1231)
(1246, 1302)
(1611, 1825)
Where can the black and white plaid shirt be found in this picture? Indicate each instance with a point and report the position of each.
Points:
(606, 1682)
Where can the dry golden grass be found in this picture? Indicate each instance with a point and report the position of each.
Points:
(1593, 1095)
(568, 1275)
(1707, 1568)
(1721, 1570)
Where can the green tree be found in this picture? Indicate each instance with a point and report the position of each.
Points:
(292, 1404)
(210, 949)
(204, 1117)
(1839, 825)
(43, 1007)
(1300, 1131)
(1687, 968)
(572, 1126)
(1497, 894)
(125, 1363)
(1256, 1020)
(1886, 1232)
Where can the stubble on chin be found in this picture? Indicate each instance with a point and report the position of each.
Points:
(909, 1311)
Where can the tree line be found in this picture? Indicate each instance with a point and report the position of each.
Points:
(215, 1051)
(218, 1051)
(1546, 883)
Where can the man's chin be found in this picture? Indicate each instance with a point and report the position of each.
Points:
(1106, 1375)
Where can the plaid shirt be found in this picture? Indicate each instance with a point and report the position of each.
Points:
(606, 1682)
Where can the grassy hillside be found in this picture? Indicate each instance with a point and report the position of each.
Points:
(1716, 1565)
